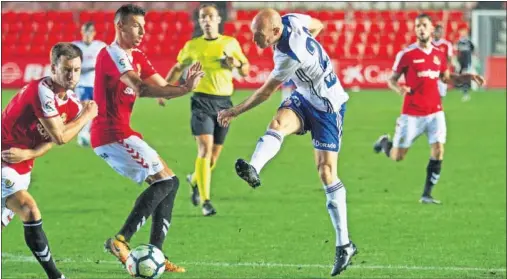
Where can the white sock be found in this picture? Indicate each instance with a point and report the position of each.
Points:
(267, 147)
(337, 207)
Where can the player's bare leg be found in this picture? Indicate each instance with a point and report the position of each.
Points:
(24, 205)
(285, 122)
(336, 204)
(433, 173)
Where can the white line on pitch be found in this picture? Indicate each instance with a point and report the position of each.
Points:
(7, 257)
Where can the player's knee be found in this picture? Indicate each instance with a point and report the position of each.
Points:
(275, 124)
(437, 151)
(29, 211)
(397, 155)
(325, 172)
(205, 151)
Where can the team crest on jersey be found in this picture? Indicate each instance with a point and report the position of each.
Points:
(436, 60)
(8, 183)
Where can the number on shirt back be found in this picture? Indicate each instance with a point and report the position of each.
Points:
(311, 45)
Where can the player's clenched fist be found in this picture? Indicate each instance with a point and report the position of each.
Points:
(225, 117)
(15, 155)
(194, 75)
(92, 109)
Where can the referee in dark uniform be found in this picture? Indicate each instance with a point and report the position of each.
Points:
(465, 51)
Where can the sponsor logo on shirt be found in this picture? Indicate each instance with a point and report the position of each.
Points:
(129, 91)
(317, 143)
(429, 74)
(417, 61)
(42, 131)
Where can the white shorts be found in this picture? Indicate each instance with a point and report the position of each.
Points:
(12, 182)
(132, 158)
(442, 88)
(408, 128)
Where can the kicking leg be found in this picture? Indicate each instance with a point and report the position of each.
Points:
(286, 122)
(336, 204)
(23, 204)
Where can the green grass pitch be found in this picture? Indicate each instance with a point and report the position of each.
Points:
(282, 229)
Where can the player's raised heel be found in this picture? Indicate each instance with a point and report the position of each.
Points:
(208, 209)
(194, 195)
(118, 247)
(377, 146)
(343, 258)
(170, 267)
(248, 173)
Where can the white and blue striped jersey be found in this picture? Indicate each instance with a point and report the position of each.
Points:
(90, 53)
(299, 57)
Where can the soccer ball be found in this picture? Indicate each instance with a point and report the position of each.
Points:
(145, 261)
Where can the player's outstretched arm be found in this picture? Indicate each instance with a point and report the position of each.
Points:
(145, 89)
(458, 79)
(15, 155)
(261, 95)
(392, 83)
(175, 73)
(61, 133)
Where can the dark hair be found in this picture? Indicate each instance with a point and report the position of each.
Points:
(423, 15)
(129, 9)
(67, 50)
(439, 26)
(207, 5)
(88, 25)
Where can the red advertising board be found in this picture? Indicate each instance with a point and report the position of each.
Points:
(496, 73)
(352, 73)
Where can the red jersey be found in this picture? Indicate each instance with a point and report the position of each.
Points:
(115, 100)
(422, 69)
(20, 119)
(444, 46)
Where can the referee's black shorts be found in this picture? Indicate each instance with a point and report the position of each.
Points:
(205, 108)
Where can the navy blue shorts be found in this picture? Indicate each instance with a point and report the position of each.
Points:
(326, 128)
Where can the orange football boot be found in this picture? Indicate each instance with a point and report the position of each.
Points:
(118, 247)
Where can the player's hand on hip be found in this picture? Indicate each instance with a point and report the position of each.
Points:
(15, 155)
(404, 90)
(92, 109)
(478, 79)
(225, 117)
(194, 75)
(161, 102)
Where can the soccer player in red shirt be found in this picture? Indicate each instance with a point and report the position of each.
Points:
(446, 47)
(123, 73)
(44, 112)
(422, 110)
